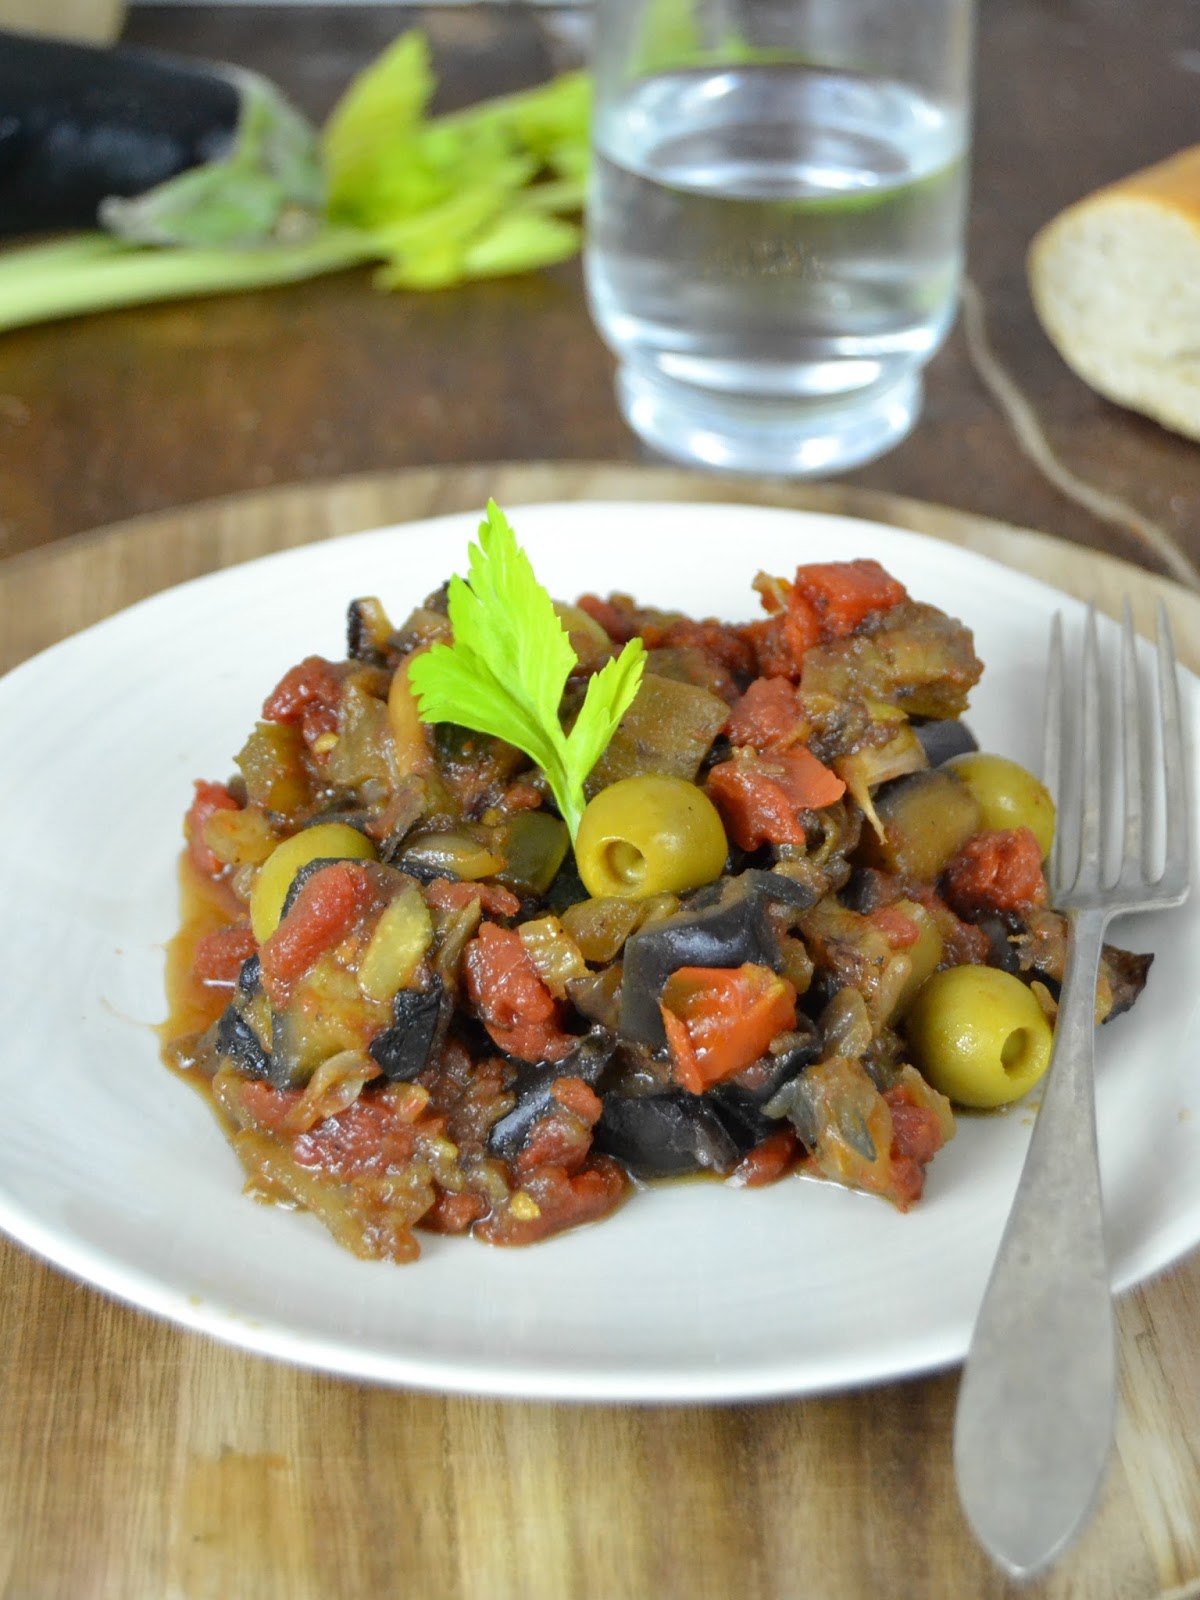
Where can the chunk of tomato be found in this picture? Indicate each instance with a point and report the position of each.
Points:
(323, 912)
(999, 869)
(767, 714)
(307, 695)
(720, 1020)
(760, 797)
(836, 597)
(513, 1003)
(218, 956)
(208, 799)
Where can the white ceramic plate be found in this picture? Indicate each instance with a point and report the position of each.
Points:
(114, 1170)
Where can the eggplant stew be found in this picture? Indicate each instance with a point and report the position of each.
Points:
(794, 920)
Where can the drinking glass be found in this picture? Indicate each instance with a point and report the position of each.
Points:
(775, 220)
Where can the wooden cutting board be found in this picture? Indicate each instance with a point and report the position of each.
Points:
(140, 1460)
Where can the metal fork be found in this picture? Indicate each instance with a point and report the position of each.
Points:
(1037, 1402)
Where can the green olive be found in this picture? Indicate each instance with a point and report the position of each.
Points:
(979, 1035)
(1008, 795)
(649, 835)
(327, 840)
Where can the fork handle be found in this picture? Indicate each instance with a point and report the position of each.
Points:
(1037, 1402)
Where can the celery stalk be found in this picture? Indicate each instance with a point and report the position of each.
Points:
(79, 282)
(480, 192)
(74, 249)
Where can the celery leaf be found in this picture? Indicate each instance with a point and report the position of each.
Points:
(505, 672)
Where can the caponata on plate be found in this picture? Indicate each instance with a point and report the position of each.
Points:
(523, 903)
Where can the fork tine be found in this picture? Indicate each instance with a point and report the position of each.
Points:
(1090, 865)
(1052, 737)
(1176, 874)
(1135, 853)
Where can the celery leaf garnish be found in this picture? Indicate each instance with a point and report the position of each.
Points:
(505, 672)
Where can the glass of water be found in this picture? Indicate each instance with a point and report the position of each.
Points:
(775, 220)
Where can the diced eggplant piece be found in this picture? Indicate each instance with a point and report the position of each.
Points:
(368, 632)
(465, 853)
(238, 1043)
(533, 1088)
(927, 818)
(403, 1050)
(868, 890)
(1040, 943)
(667, 1135)
(535, 846)
(915, 657)
(739, 1101)
(667, 730)
(239, 1040)
(236, 1037)
(944, 737)
(1001, 952)
(250, 977)
(722, 925)
(567, 889)
(1127, 973)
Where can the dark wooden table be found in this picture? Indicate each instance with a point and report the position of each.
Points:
(143, 410)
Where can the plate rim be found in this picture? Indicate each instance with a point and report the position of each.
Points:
(239, 1332)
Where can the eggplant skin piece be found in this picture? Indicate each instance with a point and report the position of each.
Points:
(236, 1040)
(942, 739)
(667, 1135)
(238, 1043)
(721, 927)
(78, 124)
(403, 1050)
(534, 1091)
(740, 1106)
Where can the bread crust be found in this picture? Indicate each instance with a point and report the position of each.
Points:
(1115, 281)
(1173, 183)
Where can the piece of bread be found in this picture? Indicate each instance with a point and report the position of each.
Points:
(1116, 283)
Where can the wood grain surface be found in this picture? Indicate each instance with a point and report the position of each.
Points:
(139, 1460)
(142, 410)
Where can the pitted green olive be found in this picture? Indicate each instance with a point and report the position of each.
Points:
(1008, 795)
(649, 835)
(979, 1035)
(327, 840)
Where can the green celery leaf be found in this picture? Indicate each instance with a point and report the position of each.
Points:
(455, 685)
(509, 620)
(609, 696)
(518, 243)
(505, 672)
(368, 130)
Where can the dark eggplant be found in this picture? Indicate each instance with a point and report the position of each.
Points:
(667, 1135)
(249, 977)
(403, 1050)
(533, 1088)
(369, 633)
(89, 134)
(721, 926)
(944, 738)
(1002, 952)
(1127, 972)
(739, 1101)
(238, 1043)
(236, 1038)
